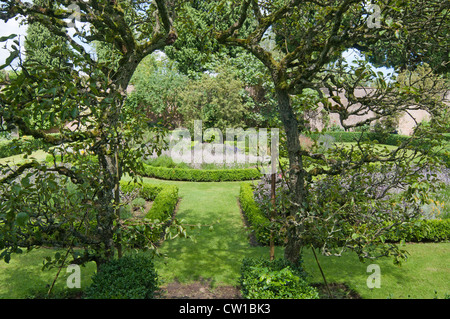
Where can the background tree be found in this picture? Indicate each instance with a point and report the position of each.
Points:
(216, 99)
(155, 88)
(43, 47)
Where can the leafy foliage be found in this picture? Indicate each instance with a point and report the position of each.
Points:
(130, 277)
(215, 99)
(277, 279)
(156, 84)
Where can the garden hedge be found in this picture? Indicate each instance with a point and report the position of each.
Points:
(259, 223)
(277, 279)
(201, 175)
(164, 197)
(423, 230)
(129, 277)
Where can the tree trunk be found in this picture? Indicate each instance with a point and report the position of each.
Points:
(106, 212)
(111, 169)
(296, 174)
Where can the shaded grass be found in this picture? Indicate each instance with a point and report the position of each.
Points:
(23, 276)
(39, 155)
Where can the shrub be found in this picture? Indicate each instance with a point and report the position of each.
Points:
(259, 224)
(277, 279)
(427, 230)
(130, 277)
(201, 175)
(144, 190)
(125, 212)
(165, 199)
(164, 204)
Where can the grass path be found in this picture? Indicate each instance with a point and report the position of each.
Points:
(216, 254)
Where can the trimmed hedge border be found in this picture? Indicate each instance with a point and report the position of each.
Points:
(129, 277)
(259, 224)
(201, 175)
(164, 197)
(426, 230)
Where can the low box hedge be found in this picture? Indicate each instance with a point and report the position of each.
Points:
(129, 277)
(164, 197)
(422, 230)
(201, 175)
(259, 223)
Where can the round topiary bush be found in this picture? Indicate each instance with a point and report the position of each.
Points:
(130, 277)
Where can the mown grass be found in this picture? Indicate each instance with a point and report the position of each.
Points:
(425, 274)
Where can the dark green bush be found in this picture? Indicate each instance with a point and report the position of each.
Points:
(277, 279)
(201, 175)
(130, 277)
(259, 224)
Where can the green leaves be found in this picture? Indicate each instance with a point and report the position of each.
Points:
(12, 56)
(22, 218)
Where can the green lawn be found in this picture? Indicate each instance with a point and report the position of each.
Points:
(425, 275)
